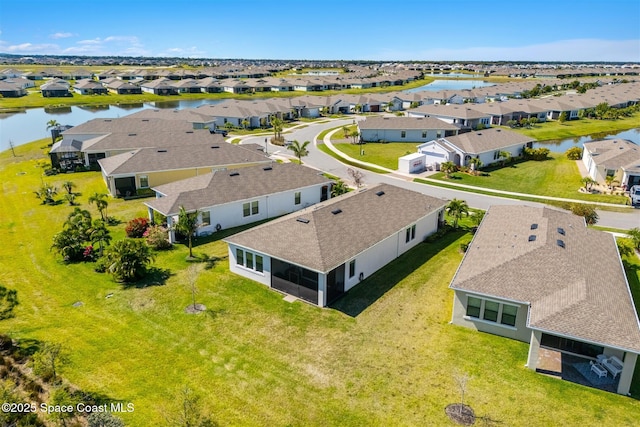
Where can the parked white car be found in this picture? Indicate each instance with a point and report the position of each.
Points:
(634, 193)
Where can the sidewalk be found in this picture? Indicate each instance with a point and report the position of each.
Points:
(462, 187)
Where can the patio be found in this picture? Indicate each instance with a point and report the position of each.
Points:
(573, 368)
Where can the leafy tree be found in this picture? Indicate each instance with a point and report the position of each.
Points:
(299, 150)
(8, 301)
(588, 182)
(157, 237)
(512, 123)
(610, 180)
(104, 419)
(99, 233)
(505, 157)
(587, 211)
(601, 110)
(448, 168)
(531, 121)
(278, 126)
(474, 163)
(52, 124)
(456, 209)
(47, 360)
(357, 176)
(187, 224)
(338, 188)
(563, 117)
(346, 132)
(69, 186)
(70, 198)
(634, 235)
(245, 123)
(47, 194)
(574, 153)
(625, 247)
(127, 259)
(355, 134)
(79, 221)
(100, 200)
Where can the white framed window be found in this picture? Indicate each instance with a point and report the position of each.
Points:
(491, 311)
(206, 217)
(250, 208)
(297, 198)
(352, 268)
(144, 181)
(424, 134)
(403, 134)
(410, 233)
(249, 260)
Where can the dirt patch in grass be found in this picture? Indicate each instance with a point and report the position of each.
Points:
(460, 414)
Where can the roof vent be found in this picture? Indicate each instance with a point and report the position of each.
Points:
(303, 220)
(162, 151)
(380, 193)
(145, 120)
(189, 131)
(561, 230)
(532, 238)
(560, 243)
(234, 174)
(132, 134)
(534, 226)
(215, 146)
(336, 211)
(268, 168)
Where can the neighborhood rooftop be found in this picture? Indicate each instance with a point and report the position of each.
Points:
(377, 122)
(487, 140)
(325, 235)
(570, 275)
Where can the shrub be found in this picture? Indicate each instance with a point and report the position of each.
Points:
(136, 227)
(587, 211)
(538, 154)
(574, 153)
(157, 237)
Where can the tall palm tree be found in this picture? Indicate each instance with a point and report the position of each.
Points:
(300, 150)
(52, 124)
(187, 224)
(69, 186)
(610, 180)
(505, 157)
(475, 163)
(100, 199)
(99, 233)
(278, 125)
(457, 209)
(346, 132)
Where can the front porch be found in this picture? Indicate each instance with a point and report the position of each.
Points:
(573, 368)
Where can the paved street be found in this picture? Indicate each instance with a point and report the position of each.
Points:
(326, 163)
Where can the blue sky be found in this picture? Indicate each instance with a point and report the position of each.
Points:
(401, 30)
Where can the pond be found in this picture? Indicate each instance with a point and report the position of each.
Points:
(562, 145)
(450, 85)
(31, 124)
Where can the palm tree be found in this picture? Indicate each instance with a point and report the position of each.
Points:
(346, 132)
(99, 233)
(505, 156)
(278, 125)
(245, 123)
(338, 188)
(187, 224)
(299, 150)
(634, 235)
(588, 182)
(100, 199)
(46, 193)
(474, 163)
(128, 259)
(448, 168)
(79, 221)
(610, 180)
(71, 198)
(69, 186)
(355, 134)
(456, 210)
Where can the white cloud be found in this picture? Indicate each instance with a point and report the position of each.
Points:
(182, 52)
(31, 48)
(563, 50)
(61, 35)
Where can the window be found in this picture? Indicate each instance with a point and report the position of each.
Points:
(144, 181)
(249, 260)
(473, 307)
(259, 263)
(250, 208)
(297, 198)
(352, 268)
(439, 134)
(403, 134)
(206, 217)
(410, 233)
(492, 311)
(239, 257)
(424, 134)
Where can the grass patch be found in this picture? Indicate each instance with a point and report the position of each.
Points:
(385, 155)
(551, 130)
(325, 149)
(556, 177)
(385, 354)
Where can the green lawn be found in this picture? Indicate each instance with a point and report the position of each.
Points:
(557, 177)
(384, 355)
(576, 128)
(385, 155)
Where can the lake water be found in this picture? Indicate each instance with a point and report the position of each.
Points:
(31, 124)
(451, 85)
(562, 145)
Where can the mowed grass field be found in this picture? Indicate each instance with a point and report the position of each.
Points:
(384, 355)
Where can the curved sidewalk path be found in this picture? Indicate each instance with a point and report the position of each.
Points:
(462, 187)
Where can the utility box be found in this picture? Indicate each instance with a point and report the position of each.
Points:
(412, 163)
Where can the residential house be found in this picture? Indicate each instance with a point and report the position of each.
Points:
(404, 129)
(465, 117)
(539, 275)
(485, 145)
(230, 198)
(9, 89)
(618, 158)
(55, 88)
(121, 87)
(160, 86)
(90, 87)
(144, 168)
(319, 253)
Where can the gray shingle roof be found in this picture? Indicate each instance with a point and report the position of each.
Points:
(579, 290)
(328, 240)
(221, 187)
(615, 153)
(180, 157)
(450, 110)
(402, 123)
(487, 140)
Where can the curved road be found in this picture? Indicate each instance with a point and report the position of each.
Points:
(319, 160)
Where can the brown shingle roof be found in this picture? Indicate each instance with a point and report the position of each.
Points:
(225, 187)
(579, 290)
(327, 240)
(375, 122)
(487, 140)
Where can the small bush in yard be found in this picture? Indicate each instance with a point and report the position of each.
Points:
(157, 237)
(136, 227)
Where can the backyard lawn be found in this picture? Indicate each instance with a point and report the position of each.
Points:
(575, 128)
(384, 355)
(385, 155)
(557, 177)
